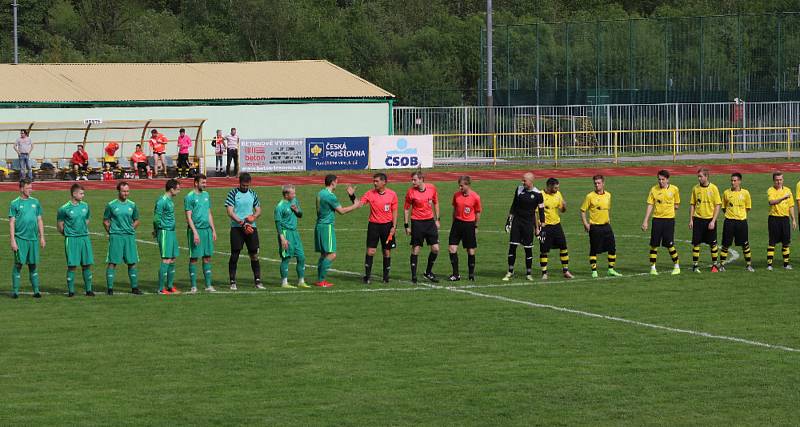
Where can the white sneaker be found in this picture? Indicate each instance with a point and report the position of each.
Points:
(260, 286)
(193, 290)
(85, 178)
(788, 267)
(233, 287)
(529, 277)
(750, 268)
(210, 289)
(508, 277)
(544, 276)
(769, 268)
(77, 178)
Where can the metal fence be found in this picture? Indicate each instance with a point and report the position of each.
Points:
(679, 59)
(604, 132)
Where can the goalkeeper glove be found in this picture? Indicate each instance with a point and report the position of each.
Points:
(508, 223)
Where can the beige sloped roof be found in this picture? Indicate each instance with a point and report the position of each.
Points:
(173, 82)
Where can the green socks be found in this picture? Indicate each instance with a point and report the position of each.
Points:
(33, 273)
(301, 267)
(134, 277)
(323, 266)
(87, 279)
(163, 270)
(71, 281)
(110, 277)
(15, 278)
(193, 274)
(284, 268)
(171, 276)
(207, 273)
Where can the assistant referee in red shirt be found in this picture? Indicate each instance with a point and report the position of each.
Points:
(466, 215)
(422, 201)
(382, 225)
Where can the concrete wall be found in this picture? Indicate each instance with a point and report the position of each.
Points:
(252, 121)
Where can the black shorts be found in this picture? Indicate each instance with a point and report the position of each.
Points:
(601, 239)
(380, 232)
(552, 236)
(662, 232)
(463, 232)
(780, 230)
(424, 231)
(183, 160)
(734, 230)
(701, 233)
(521, 233)
(142, 166)
(239, 240)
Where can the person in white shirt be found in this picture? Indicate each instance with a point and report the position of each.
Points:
(23, 146)
(232, 143)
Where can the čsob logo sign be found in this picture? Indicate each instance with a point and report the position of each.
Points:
(402, 156)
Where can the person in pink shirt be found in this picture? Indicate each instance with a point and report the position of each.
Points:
(184, 143)
(382, 224)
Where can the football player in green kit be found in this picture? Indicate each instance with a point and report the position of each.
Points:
(72, 220)
(120, 219)
(324, 233)
(25, 228)
(164, 232)
(287, 212)
(200, 231)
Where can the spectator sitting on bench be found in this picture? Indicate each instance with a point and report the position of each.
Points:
(109, 155)
(139, 161)
(80, 164)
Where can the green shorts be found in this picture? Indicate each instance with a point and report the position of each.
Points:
(206, 246)
(295, 245)
(122, 248)
(325, 238)
(27, 252)
(78, 251)
(167, 243)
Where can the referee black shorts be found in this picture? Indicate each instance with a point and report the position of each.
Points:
(521, 233)
(734, 230)
(239, 240)
(601, 239)
(701, 233)
(380, 232)
(463, 232)
(552, 236)
(662, 232)
(780, 230)
(424, 231)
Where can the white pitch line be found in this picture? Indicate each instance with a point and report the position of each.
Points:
(627, 321)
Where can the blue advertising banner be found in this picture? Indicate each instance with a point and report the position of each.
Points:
(337, 153)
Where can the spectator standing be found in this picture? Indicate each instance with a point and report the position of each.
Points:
(232, 145)
(80, 163)
(158, 144)
(218, 142)
(23, 146)
(184, 143)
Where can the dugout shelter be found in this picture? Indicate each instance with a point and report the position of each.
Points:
(66, 104)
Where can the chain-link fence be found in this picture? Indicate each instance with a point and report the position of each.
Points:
(659, 60)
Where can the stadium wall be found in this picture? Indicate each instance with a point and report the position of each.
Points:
(277, 120)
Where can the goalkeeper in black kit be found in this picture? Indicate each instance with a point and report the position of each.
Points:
(523, 224)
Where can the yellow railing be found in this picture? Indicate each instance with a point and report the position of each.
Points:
(613, 144)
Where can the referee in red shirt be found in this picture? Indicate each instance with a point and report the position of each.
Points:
(382, 225)
(466, 215)
(422, 200)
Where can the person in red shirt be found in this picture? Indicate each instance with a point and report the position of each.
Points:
(80, 163)
(422, 204)
(139, 161)
(382, 225)
(158, 143)
(466, 215)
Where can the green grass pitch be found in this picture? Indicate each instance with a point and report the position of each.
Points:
(399, 354)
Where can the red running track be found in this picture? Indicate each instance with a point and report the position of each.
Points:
(433, 176)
